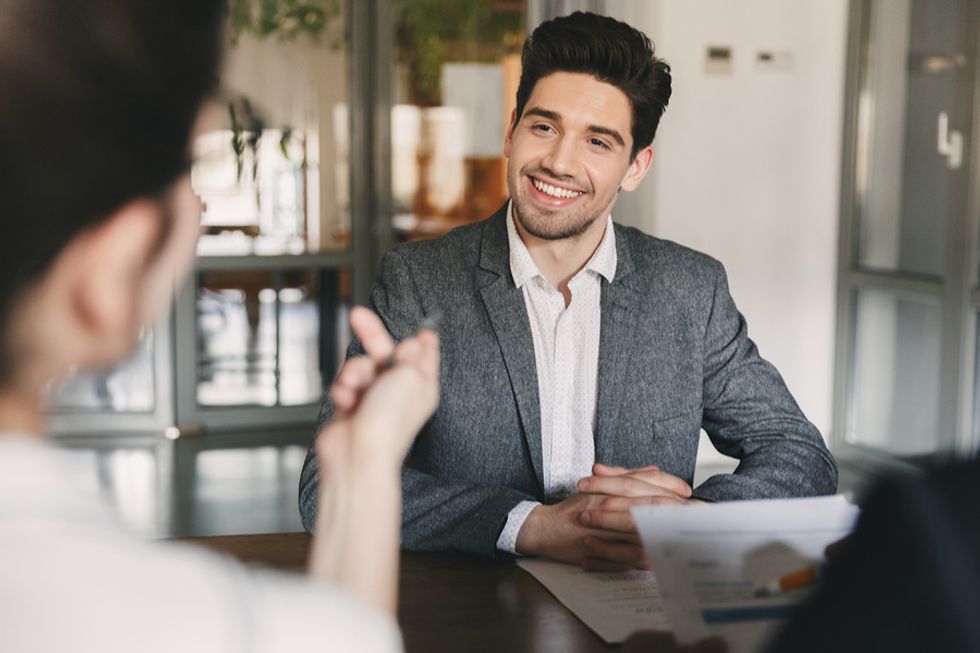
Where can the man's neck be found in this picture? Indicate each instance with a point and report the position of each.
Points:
(560, 260)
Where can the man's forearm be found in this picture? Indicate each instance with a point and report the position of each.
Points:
(440, 515)
(782, 467)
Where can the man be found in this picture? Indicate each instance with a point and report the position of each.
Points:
(574, 348)
(97, 103)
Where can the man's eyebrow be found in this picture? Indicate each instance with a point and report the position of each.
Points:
(611, 133)
(554, 116)
(544, 113)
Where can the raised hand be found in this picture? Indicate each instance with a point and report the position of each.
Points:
(384, 397)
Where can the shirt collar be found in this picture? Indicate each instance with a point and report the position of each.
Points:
(523, 268)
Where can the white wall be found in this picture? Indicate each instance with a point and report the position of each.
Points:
(747, 168)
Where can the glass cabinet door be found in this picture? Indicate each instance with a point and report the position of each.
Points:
(907, 297)
(259, 344)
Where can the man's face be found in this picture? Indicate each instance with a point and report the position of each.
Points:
(569, 154)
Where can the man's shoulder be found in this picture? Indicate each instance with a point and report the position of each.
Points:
(459, 247)
(655, 256)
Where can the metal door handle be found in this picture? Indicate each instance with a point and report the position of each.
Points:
(950, 143)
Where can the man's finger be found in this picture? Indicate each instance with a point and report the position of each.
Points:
(673, 483)
(615, 536)
(625, 503)
(612, 470)
(630, 554)
(622, 486)
(621, 520)
(371, 331)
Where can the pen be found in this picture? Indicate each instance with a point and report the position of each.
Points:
(430, 322)
(792, 581)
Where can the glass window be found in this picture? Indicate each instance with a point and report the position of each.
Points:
(269, 338)
(457, 70)
(895, 391)
(903, 181)
(281, 120)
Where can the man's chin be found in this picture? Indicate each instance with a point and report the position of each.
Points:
(555, 235)
(555, 227)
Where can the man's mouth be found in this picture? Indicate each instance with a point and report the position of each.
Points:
(553, 191)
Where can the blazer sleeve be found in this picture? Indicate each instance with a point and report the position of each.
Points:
(749, 414)
(436, 514)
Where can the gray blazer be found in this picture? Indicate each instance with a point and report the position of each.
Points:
(674, 357)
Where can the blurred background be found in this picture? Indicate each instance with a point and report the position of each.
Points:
(823, 150)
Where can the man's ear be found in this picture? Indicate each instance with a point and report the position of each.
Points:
(510, 132)
(638, 169)
(103, 271)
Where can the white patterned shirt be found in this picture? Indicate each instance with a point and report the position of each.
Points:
(566, 356)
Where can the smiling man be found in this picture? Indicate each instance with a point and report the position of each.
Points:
(581, 358)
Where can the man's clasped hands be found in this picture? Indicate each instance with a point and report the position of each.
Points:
(594, 528)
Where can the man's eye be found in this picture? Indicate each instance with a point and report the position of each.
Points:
(541, 128)
(598, 142)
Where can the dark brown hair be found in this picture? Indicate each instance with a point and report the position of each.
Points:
(609, 50)
(97, 101)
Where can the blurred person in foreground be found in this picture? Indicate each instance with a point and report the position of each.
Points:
(98, 100)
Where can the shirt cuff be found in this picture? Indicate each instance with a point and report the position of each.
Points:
(507, 542)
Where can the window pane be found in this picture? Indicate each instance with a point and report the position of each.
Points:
(272, 168)
(269, 338)
(895, 400)
(458, 65)
(903, 181)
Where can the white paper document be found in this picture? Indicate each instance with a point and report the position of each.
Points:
(613, 604)
(712, 560)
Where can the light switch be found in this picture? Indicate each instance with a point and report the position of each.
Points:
(774, 61)
(718, 60)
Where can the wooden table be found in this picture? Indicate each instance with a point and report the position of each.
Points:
(453, 602)
(448, 602)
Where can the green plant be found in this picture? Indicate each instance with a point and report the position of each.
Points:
(246, 132)
(284, 19)
(247, 127)
(433, 32)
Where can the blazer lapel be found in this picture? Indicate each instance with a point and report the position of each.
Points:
(508, 316)
(617, 340)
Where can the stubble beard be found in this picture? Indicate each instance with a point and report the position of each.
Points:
(540, 226)
(556, 224)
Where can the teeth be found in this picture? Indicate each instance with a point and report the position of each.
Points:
(554, 191)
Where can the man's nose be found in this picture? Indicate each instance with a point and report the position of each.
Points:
(560, 160)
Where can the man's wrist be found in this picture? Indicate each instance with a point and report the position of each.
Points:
(507, 539)
(529, 537)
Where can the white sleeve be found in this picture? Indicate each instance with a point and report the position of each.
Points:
(507, 541)
(110, 595)
(291, 614)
